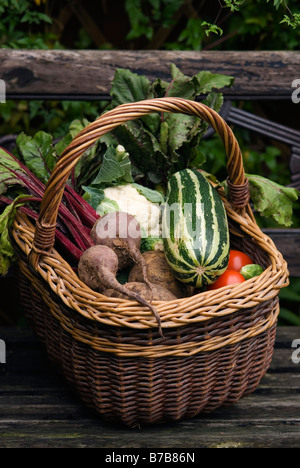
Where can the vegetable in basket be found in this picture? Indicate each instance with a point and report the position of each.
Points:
(75, 216)
(158, 272)
(113, 189)
(240, 268)
(228, 278)
(250, 271)
(122, 233)
(195, 229)
(157, 292)
(241, 262)
(130, 198)
(98, 267)
(238, 259)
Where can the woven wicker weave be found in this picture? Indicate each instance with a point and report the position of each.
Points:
(217, 345)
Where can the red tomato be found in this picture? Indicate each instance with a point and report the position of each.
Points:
(237, 260)
(229, 277)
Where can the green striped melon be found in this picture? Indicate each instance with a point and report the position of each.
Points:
(195, 229)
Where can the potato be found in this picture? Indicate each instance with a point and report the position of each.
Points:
(159, 293)
(158, 272)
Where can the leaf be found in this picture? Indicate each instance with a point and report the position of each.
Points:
(234, 4)
(45, 18)
(143, 147)
(214, 101)
(272, 200)
(93, 196)
(159, 88)
(192, 35)
(37, 153)
(152, 195)
(159, 143)
(293, 21)
(206, 81)
(211, 28)
(179, 128)
(63, 143)
(7, 252)
(7, 165)
(131, 87)
(164, 131)
(181, 85)
(76, 126)
(276, 3)
(128, 87)
(115, 168)
(197, 158)
(107, 206)
(175, 71)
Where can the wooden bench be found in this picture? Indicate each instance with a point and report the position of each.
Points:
(37, 409)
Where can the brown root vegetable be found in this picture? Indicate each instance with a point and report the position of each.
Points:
(98, 267)
(158, 272)
(122, 233)
(158, 292)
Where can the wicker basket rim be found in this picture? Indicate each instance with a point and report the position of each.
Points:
(203, 306)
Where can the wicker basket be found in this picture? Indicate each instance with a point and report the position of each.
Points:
(217, 345)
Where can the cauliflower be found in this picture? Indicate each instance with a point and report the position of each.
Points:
(127, 198)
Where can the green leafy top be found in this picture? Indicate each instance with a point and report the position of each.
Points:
(37, 153)
(160, 144)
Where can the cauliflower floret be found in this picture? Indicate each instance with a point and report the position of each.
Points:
(128, 199)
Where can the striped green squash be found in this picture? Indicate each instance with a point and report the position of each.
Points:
(195, 229)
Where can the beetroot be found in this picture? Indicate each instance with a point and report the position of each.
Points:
(98, 267)
(122, 233)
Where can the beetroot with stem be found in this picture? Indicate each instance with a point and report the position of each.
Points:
(122, 233)
(98, 267)
(75, 216)
(73, 251)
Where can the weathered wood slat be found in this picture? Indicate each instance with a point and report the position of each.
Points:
(87, 74)
(37, 408)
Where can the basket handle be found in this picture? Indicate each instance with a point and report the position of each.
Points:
(237, 183)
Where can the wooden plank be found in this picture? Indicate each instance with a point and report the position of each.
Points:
(35, 74)
(37, 409)
(211, 433)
